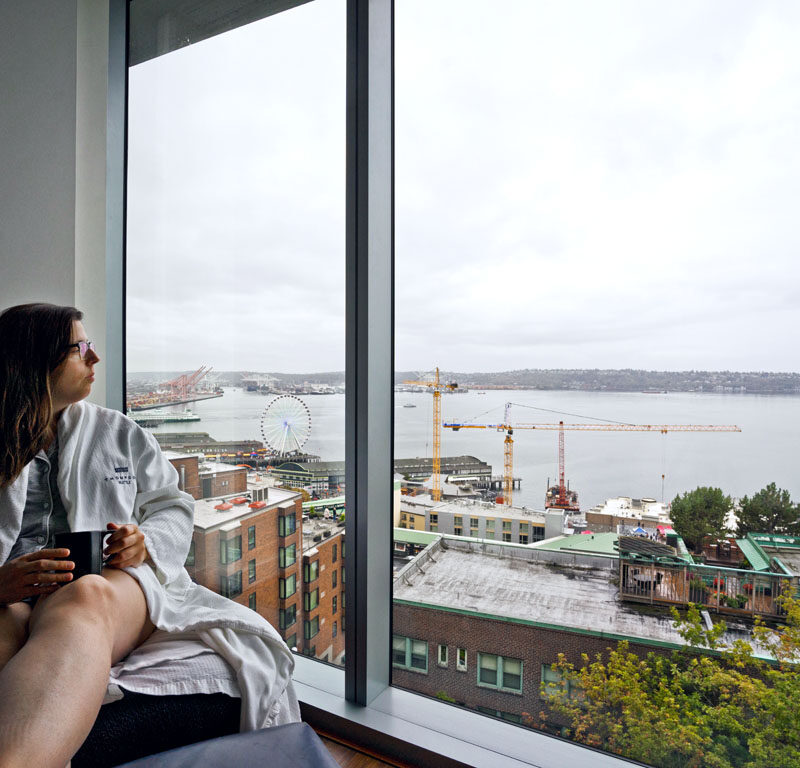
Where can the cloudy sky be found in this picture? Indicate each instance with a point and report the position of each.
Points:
(578, 184)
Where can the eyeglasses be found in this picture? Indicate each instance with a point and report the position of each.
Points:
(83, 347)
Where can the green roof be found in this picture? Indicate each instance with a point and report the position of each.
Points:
(587, 543)
(757, 559)
(414, 537)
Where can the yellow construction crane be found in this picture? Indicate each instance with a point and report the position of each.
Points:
(509, 428)
(437, 388)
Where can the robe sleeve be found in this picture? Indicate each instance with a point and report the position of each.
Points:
(164, 513)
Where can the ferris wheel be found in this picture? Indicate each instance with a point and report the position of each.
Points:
(285, 424)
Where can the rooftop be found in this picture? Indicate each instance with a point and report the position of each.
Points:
(206, 517)
(317, 530)
(544, 592)
(488, 509)
(593, 544)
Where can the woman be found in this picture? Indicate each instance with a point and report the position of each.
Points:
(59, 638)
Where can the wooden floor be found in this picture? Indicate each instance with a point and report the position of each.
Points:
(351, 758)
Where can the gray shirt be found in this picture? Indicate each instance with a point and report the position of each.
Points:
(44, 513)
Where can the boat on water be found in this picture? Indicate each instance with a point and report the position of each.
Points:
(156, 417)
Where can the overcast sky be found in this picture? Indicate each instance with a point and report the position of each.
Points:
(578, 184)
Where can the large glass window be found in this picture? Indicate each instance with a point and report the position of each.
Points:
(595, 301)
(235, 265)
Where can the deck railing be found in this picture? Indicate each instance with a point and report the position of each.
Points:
(724, 590)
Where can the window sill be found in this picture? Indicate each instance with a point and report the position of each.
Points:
(398, 721)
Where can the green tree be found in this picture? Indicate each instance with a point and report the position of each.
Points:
(771, 510)
(689, 708)
(700, 513)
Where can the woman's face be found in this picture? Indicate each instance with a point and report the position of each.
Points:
(72, 380)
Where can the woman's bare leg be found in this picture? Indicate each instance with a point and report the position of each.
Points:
(13, 630)
(52, 689)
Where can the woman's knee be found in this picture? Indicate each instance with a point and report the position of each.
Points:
(88, 600)
(13, 630)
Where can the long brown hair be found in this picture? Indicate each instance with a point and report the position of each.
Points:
(34, 340)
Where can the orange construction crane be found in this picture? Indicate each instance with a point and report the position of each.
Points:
(509, 428)
(437, 388)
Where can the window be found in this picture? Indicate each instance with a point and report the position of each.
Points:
(292, 642)
(554, 683)
(287, 616)
(251, 571)
(333, 579)
(286, 556)
(442, 655)
(334, 630)
(409, 654)
(311, 599)
(457, 531)
(461, 661)
(510, 716)
(523, 533)
(231, 586)
(489, 528)
(311, 628)
(434, 519)
(251, 537)
(334, 601)
(458, 521)
(342, 574)
(333, 556)
(287, 525)
(287, 587)
(500, 672)
(311, 571)
(473, 526)
(190, 556)
(251, 601)
(230, 550)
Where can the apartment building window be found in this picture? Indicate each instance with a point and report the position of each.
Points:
(333, 553)
(334, 603)
(555, 684)
(458, 521)
(190, 555)
(251, 571)
(292, 642)
(333, 579)
(251, 601)
(311, 599)
(287, 525)
(434, 519)
(442, 655)
(523, 533)
(311, 628)
(287, 616)
(506, 530)
(473, 526)
(538, 533)
(500, 672)
(342, 574)
(311, 571)
(343, 543)
(287, 556)
(334, 631)
(408, 653)
(461, 660)
(230, 550)
(231, 586)
(490, 528)
(287, 587)
(251, 537)
(457, 531)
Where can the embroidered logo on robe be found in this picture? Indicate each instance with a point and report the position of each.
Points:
(122, 476)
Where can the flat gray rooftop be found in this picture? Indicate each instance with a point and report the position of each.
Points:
(570, 596)
(790, 557)
(205, 516)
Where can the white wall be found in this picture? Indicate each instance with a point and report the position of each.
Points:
(54, 59)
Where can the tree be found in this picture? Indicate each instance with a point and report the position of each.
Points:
(769, 511)
(690, 709)
(700, 513)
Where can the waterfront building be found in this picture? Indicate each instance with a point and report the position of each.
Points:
(479, 519)
(629, 513)
(203, 479)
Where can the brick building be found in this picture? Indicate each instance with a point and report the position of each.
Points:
(202, 479)
(482, 623)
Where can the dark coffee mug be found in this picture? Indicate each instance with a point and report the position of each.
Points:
(85, 550)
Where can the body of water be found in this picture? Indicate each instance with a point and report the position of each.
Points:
(599, 465)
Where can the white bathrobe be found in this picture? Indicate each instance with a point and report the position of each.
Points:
(111, 470)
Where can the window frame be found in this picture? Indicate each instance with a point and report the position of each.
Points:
(500, 672)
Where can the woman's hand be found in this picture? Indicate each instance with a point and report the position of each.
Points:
(125, 546)
(27, 576)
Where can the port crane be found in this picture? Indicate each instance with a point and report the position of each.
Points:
(562, 499)
(436, 387)
(184, 385)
